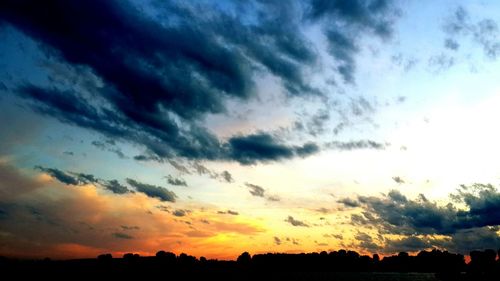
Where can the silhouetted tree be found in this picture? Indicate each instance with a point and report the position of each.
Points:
(244, 259)
(104, 257)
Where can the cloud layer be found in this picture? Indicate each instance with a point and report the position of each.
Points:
(471, 223)
(154, 76)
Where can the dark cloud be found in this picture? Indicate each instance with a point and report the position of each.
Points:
(256, 190)
(273, 198)
(3, 87)
(179, 213)
(264, 147)
(86, 178)
(115, 187)
(371, 14)
(352, 145)
(295, 222)
(343, 47)
(261, 146)
(133, 227)
(307, 149)
(61, 176)
(160, 74)
(348, 202)
(121, 235)
(365, 241)
(398, 179)
(407, 244)
(420, 220)
(179, 167)
(228, 212)
(465, 241)
(153, 191)
(395, 213)
(277, 240)
(226, 176)
(72, 178)
(110, 145)
(345, 20)
(176, 181)
(202, 170)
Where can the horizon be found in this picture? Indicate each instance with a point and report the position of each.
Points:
(220, 127)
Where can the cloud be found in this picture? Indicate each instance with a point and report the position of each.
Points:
(365, 241)
(465, 241)
(148, 102)
(115, 187)
(133, 227)
(441, 62)
(261, 146)
(153, 191)
(200, 169)
(363, 14)
(264, 147)
(229, 212)
(255, 190)
(60, 175)
(315, 125)
(407, 244)
(273, 198)
(14, 183)
(121, 235)
(398, 179)
(352, 17)
(484, 32)
(176, 181)
(179, 167)
(227, 177)
(158, 76)
(307, 149)
(323, 210)
(277, 240)
(72, 178)
(451, 44)
(348, 202)
(352, 145)
(295, 222)
(179, 213)
(474, 223)
(83, 222)
(110, 145)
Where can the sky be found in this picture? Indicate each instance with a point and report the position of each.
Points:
(217, 127)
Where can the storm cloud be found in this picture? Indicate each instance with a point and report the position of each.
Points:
(172, 69)
(472, 223)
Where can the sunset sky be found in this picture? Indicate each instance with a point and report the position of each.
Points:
(217, 127)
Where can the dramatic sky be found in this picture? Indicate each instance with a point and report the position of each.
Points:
(217, 127)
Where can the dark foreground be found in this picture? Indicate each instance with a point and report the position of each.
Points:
(338, 265)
